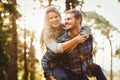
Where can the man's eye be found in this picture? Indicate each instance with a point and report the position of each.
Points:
(56, 16)
(68, 18)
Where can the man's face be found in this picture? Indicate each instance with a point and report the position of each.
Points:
(54, 19)
(70, 21)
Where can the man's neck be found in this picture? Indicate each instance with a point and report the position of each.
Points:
(74, 32)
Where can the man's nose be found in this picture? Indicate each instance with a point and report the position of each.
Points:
(66, 22)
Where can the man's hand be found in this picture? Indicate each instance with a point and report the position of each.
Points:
(89, 74)
(52, 78)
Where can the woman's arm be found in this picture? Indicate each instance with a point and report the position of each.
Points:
(65, 46)
(71, 44)
(53, 45)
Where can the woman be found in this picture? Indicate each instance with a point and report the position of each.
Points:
(52, 30)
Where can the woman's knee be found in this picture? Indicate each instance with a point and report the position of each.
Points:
(59, 74)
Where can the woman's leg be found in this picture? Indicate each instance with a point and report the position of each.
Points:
(59, 74)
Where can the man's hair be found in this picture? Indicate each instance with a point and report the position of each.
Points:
(77, 14)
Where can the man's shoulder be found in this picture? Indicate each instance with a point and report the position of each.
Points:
(63, 37)
(90, 37)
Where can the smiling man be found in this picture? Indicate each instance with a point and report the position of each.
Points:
(79, 60)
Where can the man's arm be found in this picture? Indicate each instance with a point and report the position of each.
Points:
(61, 46)
(91, 51)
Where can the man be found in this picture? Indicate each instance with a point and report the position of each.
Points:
(76, 61)
(80, 58)
(73, 64)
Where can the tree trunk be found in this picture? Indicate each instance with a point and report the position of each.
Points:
(13, 62)
(25, 58)
(111, 61)
(49, 2)
(67, 4)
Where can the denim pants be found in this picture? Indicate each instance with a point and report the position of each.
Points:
(59, 74)
(97, 72)
(76, 76)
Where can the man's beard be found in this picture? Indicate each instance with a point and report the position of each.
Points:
(70, 29)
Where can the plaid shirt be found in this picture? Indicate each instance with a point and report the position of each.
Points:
(76, 60)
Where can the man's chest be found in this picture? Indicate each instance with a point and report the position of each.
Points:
(81, 50)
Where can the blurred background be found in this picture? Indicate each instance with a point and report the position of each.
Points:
(21, 22)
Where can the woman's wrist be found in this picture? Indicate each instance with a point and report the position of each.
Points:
(76, 39)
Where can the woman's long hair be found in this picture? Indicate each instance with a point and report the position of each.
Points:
(50, 32)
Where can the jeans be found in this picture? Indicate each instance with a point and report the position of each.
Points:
(59, 74)
(75, 76)
(97, 71)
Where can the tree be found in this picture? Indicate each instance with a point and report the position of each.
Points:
(10, 13)
(6, 10)
(106, 28)
(49, 3)
(70, 4)
(32, 59)
(13, 64)
(117, 52)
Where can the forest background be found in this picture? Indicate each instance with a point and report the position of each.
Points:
(21, 22)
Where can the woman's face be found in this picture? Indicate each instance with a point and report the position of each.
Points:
(54, 19)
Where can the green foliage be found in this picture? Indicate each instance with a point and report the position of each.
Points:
(94, 51)
(4, 35)
(73, 3)
(68, 3)
(4, 62)
(9, 8)
(117, 53)
(6, 11)
(101, 23)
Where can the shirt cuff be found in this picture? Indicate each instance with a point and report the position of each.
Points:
(47, 74)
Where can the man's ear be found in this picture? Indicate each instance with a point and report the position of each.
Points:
(78, 20)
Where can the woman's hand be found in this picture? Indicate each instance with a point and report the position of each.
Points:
(80, 38)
